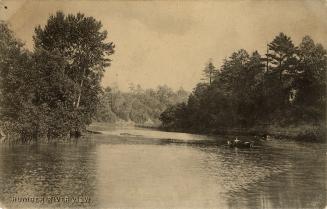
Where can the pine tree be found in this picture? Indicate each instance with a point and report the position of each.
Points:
(209, 72)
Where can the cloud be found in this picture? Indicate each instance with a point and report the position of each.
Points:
(168, 42)
(173, 18)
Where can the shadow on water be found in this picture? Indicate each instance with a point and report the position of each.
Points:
(277, 175)
(37, 171)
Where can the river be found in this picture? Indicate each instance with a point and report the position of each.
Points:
(141, 168)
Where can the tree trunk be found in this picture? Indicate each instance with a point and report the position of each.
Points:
(210, 77)
(79, 95)
(281, 68)
(2, 134)
(80, 92)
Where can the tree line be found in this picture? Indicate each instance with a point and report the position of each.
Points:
(53, 90)
(139, 106)
(284, 87)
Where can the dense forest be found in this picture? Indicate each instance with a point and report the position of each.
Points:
(52, 91)
(286, 87)
(139, 106)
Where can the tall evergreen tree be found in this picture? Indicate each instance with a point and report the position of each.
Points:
(282, 59)
(209, 72)
(282, 55)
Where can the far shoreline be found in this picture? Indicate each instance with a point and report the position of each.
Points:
(303, 133)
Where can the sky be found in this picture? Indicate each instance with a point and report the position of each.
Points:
(169, 42)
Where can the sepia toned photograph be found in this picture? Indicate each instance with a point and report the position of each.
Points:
(176, 104)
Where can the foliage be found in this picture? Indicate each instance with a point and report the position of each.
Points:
(209, 72)
(53, 91)
(82, 43)
(138, 105)
(287, 87)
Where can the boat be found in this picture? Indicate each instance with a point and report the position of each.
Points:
(240, 144)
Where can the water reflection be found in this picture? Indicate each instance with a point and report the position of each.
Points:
(124, 171)
(65, 170)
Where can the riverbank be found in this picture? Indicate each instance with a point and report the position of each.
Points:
(306, 132)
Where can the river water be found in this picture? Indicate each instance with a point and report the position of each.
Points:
(139, 168)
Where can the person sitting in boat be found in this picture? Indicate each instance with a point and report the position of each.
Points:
(236, 141)
(248, 144)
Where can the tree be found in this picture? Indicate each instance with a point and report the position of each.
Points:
(81, 41)
(282, 55)
(175, 116)
(138, 105)
(104, 110)
(54, 90)
(251, 94)
(16, 81)
(282, 58)
(310, 82)
(209, 71)
(248, 92)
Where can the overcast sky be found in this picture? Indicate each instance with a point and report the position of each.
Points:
(169, 42)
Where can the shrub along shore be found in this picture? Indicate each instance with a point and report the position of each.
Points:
(299, 133)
